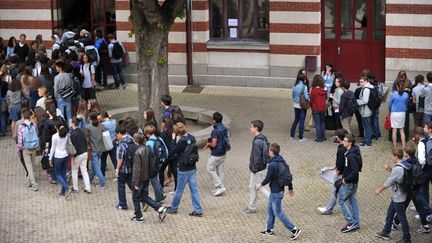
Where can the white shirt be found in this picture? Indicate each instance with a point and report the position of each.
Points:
(41, 102)
(58, 147)
(87, 70)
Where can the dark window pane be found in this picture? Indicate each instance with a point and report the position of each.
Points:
(329, 34)
(379, 14)
(361, 17)
(217, 18)
(329, 13)
(360, 34)
(248, 19)
(346, 34)
(379, 35)
(263, 20)
(346, 13)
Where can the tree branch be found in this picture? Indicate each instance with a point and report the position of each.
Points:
(171, 9)
(150, 9)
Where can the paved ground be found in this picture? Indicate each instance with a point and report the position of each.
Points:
(27, 216)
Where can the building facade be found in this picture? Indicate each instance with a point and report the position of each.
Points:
(258, 42)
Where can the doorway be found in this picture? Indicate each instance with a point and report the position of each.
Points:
(353, 36)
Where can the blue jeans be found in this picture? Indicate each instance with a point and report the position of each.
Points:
(299, 116)
(113, 156)
(157, 188)
(3, 122)
(399, 209)
(367, 130)
(141, 195)
(118, 74)
(60, 167)
(65, 104)
(183, 178)
(319, 118)
(351, 213)
(274, 209)
(427, 118)
(376, 132)
(96, 168)
(123, 180)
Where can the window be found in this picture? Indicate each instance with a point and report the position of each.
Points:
(237, 19)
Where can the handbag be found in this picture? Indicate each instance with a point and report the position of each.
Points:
(67, 92)
(304, 103)
(70, 148)
(310, 120)
(45, 161)
(106, 137)
(387, 123)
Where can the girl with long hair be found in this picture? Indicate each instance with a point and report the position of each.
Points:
(398, 105)
(59, 157)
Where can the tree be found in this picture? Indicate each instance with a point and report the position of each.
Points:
(151, 23)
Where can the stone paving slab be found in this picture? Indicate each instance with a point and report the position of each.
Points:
(27, 216)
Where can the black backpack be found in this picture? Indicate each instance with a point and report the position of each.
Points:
(103, 49)
(265, 150)
(160, 150)
(285, 177)
(92, 54)
(374, 99)
(225, 139)
(117, 51)
(190, 155)
(153, 160)
(352, 104)
(407, 183)
(130, 155)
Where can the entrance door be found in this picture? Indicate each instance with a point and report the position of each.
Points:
(353, 33)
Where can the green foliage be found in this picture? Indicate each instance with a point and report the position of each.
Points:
(162, 60)
(148, 53)
(181, 14)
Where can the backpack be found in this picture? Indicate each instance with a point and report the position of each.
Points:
(160, 150)
(117, 51)
(30, 136)
(190, 154)
(225, 140)
(285, 177)
(407, 183)
(93, 55)
(103, 49)
(374, 99)
(129, 155)
(265, 153)
(153, 160)
(352, 104)
(428, 150)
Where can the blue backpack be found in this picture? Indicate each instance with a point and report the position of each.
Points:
(160, 150)
(30, 137)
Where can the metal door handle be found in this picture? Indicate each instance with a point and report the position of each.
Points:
(338, 50)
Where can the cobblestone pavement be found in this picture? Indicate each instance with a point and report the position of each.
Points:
(27, 216)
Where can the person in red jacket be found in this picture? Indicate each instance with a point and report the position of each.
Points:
(318, 103)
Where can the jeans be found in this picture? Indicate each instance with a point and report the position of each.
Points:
(332, 199)
(274, 209)
(113, 156)
(141, 195)
(65, 104)
(424, 190)
(188, 177)
(60, 165)
(319, 118)
(419, 203)
(96, 168)
(376, 132)
(255, 179)
(351, 212)
(80, 161)
(367, 130)
(159, 193)
(427, 118)
(399, 209)
(122, 180)
(299, 116)
(215, 170)
(118, 74)
(3, 122)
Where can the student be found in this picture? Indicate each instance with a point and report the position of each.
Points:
(116, 57)
(346, 107)
(110, 125)
(13, 100)
(419, 101)
(365, 111)
(348, 190)
(141, 178)
(398, 106)
(217, 145)
(257, 164)
(79, 160)
(94, 138)
(186, 173)
(339, 167)
(397, 204)
(87, 72)
(123, 170)
(166, 102)
(59, 157)
(299, 113)
(22, 49)
(277, 192)
(425, 159)
(318, 105)
(43, 94)
(62, 81)
(426, 93)
(376, 132)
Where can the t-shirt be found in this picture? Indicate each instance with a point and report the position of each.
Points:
(87, 70)
(218, 134)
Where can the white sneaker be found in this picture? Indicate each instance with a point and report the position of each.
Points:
(303, 139)
(220, 191)
(323, 210)
(172, 193)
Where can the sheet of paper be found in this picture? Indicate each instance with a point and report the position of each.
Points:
(232, 22)
(233, 32)
(328, 175)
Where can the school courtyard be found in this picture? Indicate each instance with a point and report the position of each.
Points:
(42, 216)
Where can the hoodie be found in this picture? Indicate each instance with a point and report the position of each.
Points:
(352, 165)
(364, 99)
(273, 175)
(318, 99)
(345, 109)
(395, 178)
(427, 93)
(256, 162)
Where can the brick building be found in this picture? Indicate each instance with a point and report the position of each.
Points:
(258, 42)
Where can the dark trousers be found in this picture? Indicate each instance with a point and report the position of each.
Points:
(359, 123)
(424, 190)
(123, 180)
(319, 118)
(104, 156)
(141, 195)
(299, 117)
(172, 168)
(399, 209)
(419, 203)
(101, 73)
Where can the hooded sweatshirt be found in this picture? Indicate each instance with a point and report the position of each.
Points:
(427, 93)
(352, 165)
(256, 162)
(364, 99)
(395, 178)
(273, 175)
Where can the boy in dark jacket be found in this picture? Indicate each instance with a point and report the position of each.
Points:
(348, 190)
(277, 192)
(257, 164)
(141, 178)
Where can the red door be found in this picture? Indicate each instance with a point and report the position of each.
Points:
(353, 33)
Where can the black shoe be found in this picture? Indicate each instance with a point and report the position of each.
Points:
(162, 214)
(163, 198)
(87, 191)
(349, 228)
(195, 214)
(382, 235)
(318, 140)
(295, 234)
(267, 232)
(137, 219)
(365, 145)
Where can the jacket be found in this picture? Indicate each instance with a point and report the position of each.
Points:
(297, 90)
(79, 141)
(318, 99)
(340, 158)
(179, 151)
(427, 93)
(61, 81)
(394, 180)
(344, 107)
(218, 133)
(351, 169)
(364, 99)
(140, 169)
(256, 162)
(398, 103)
(273, 175)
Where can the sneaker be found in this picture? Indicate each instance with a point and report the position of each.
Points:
(195, 214)
(171, 211)
(34, 188)
(137, 219)
(429, 218)
(219, 191)
(267, 232)
(394, 226)
(365, 145)
(87, 191)
(162, 214)
(295, 234)
(54, 182)
(382, 235)
(68, 193)
(102, 187)
(324, 211)
(413, 208)
(302, 139)
(172, 193)
(247, 210)
(423, 229)
(291, 138)
(349, 228)
(318, 140)
(74, 190)
(115, 179)
(120, 207)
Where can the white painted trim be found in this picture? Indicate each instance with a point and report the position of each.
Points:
(122, 15)
(295, 17)
(25, 14)
(417, 20)
(410, 64)
(413, 42)
(408, 2)
(290, 60)
(295, 39)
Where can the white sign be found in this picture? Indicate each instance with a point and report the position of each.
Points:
(233, 32)
(232, 22)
